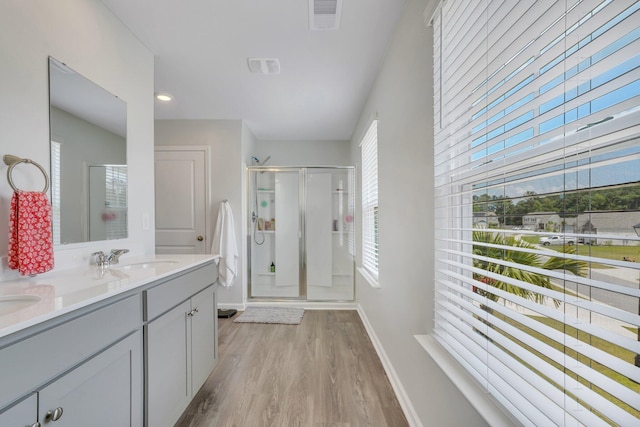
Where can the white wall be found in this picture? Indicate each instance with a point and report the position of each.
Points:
(225, 137)
(402, 97)
(89, 39)
(304, 153)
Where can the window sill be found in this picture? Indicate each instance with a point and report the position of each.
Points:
(486, 406)
(373, 282)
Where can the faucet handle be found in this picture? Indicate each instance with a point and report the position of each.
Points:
(100, 258)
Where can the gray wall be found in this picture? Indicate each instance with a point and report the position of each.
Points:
(402, 97)
(89, 39)
(304, 153)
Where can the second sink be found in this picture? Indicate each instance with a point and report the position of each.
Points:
(145, 264)
(13, 303)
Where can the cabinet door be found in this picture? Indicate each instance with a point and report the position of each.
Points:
(24, 413)
(104, 391)
(203, 337)
(168, 385)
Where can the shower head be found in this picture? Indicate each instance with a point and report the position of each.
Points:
(257, 161)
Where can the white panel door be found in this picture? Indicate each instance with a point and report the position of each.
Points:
(181, 200)
(318, 228)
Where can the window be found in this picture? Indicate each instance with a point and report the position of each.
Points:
(537, 126)
(369, 147)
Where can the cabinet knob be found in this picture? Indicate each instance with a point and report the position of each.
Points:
(200, 238)
(55, 414)
(35, 425)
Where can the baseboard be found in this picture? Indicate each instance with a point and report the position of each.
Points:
(225, 306)
(307, 305)
(396, 384)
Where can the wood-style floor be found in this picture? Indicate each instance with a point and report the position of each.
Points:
(323, 372)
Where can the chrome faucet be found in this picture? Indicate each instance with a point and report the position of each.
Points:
(114, 255)
(103, 260)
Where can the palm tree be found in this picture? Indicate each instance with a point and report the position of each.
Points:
(514, 255)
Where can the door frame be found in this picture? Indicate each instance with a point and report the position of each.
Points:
(207, 184)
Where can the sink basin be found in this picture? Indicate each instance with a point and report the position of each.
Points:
(146, 264)
(13, 303)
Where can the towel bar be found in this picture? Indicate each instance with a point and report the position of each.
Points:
(11, 161)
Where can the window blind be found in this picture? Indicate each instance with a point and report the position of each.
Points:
(369, 148)
(537, 142)
(55, 190)
(115, 202)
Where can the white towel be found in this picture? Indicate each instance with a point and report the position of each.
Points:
(224, 244)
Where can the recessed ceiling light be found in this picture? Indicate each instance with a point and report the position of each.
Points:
(164, 97)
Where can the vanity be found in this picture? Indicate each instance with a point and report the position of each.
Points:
(127, 345)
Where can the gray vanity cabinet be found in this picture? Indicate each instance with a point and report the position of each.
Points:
(135, 359)
(180, 339)
(98, 392)
(204, 327)
(168, 391)
(86, 370)
(22, 414)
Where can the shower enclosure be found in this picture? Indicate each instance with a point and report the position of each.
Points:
(301, 229)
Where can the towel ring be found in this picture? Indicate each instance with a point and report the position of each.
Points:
(12, 161)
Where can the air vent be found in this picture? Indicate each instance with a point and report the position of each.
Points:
(324, 14)
(264, 65)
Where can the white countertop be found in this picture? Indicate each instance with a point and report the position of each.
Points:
(31, 300)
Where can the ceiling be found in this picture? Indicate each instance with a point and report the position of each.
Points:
(201, 49)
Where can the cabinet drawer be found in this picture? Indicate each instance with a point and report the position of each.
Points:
(167, 295)
(27, 364)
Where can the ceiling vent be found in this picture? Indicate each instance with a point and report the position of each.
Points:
(264, 65)
(324, 14)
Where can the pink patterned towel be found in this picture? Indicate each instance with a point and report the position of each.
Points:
(30, 236)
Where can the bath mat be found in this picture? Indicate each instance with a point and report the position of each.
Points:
(287, 316)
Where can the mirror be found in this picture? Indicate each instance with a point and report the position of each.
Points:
(88, 158)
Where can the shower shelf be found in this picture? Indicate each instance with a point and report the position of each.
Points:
(266, 274)
(340, 192)
(266, 191)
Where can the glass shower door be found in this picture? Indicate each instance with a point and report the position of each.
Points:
(275, 234)
(329, 234)
(301, 233)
